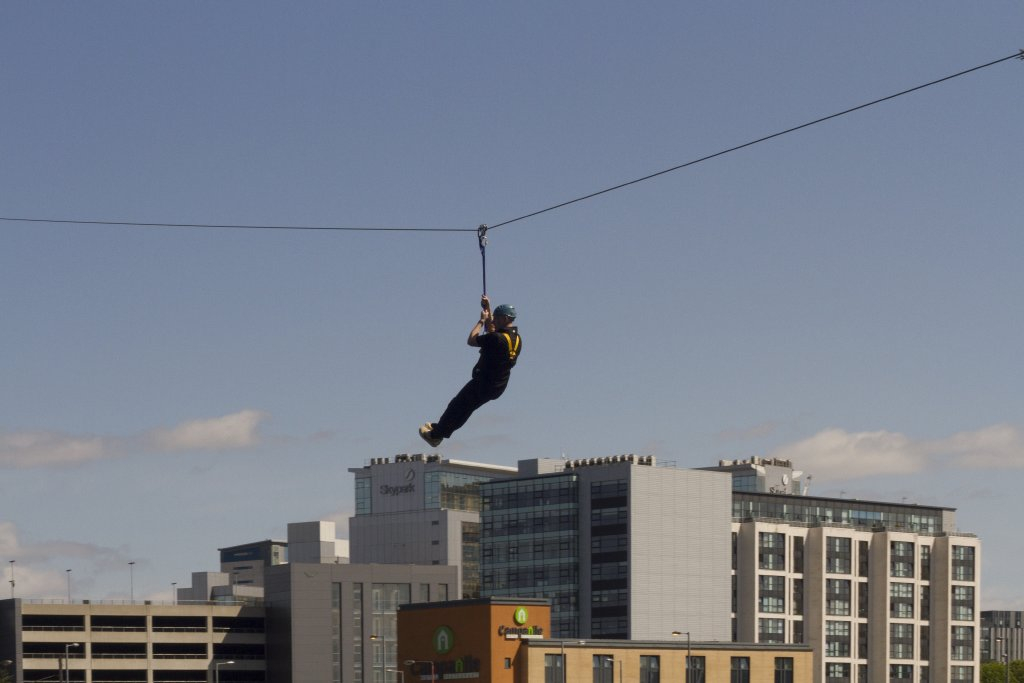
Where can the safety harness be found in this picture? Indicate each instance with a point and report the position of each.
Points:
(513, 347)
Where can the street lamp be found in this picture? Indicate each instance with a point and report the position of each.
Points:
(1006, 656)
(67, 662)
(131, 580)
(689, 659)
(68, 571)
(384, 659)
(174, 592)
(216, 669)
(410, 662)
(564, 667)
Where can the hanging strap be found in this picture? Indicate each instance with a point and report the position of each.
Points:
(481, 235)
(513, 348)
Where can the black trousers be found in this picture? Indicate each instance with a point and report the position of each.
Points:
(470, 397)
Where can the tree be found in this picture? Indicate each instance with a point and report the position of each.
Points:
(995, 672)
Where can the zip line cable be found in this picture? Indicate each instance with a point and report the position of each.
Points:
(482, 230)
(240, 227)
(1018, 55)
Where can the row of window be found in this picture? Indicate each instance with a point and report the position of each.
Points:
(838, 598)
(839, 556)
(840, 672)
(767, 506)
(695, 669)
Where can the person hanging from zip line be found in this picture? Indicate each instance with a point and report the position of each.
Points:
(500, 344)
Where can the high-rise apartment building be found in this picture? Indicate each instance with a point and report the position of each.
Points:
(421, 509)
(883, 592)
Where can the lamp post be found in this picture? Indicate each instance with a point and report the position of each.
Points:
(67, 663)
(689, 659)
(131, 581)
(12, 578)
(174, 592)
(1006, 656)
(410, 662)
(384, 658)
(216, 669)
(68, 572)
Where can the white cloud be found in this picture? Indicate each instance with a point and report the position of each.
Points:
(838, 455)
(52, 449)
(1000, 446)
(238, 430)
(41, 449)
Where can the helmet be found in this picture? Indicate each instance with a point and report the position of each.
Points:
(506, 310)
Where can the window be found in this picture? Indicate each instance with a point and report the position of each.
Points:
(771, 631)
(363, 496)
(961, 673)
(604, 669)
(739, 671)
(838, 555)
(783, 670)
(901, 559)
(553, 669)
(926, 562)
(963, 563)
(772, 597)
(901, 641)
(963, 603)
(650, 669)
(695, 670)
(901, 672)
(962, 643)
(771, 551)
(837, 639)
(901, 600)
(837, 672)
(837, 597)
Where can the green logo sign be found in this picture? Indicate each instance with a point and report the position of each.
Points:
(521, 615)
(444, 640)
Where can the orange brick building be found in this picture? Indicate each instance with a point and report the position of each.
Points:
(505, 640)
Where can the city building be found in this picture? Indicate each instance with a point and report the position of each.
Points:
(1002, 636)
(245, 563)
(507, 640)
(880, 591)
(624, 549)
(421, 509)
(91, 642)
(337, 622)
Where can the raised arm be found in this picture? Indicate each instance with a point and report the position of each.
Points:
(484, 324)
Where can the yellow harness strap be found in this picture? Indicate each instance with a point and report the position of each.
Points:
(513, 350)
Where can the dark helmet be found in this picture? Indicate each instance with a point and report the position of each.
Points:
(506, 310)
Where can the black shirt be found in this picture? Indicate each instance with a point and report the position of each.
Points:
(499, 351)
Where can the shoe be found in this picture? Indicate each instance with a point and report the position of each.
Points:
(426, 431)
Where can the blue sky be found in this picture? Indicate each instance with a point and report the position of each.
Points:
(846, 295)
